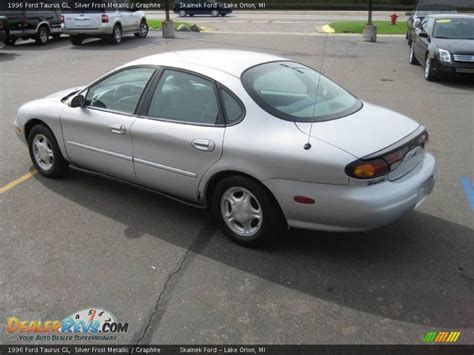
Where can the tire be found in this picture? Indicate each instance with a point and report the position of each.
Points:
(10, 42)
(223, 14)
(116, 37)
(182, 13)
(45, 153)
(235, 218)
(214, 13)
(42, 36)
(411, 57)
(430, 75)
(143, 31)
(76, 40)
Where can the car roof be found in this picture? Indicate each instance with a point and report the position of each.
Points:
(435, 7)
(451, 16)
(230, 61)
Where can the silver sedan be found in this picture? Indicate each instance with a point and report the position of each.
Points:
(265, 142)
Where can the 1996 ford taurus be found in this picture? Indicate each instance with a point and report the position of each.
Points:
(264, 141)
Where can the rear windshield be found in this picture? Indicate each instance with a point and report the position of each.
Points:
(454, 29)
(295, 92)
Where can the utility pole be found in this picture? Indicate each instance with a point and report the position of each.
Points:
(370, 31)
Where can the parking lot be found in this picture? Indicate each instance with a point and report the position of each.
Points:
(85, 241)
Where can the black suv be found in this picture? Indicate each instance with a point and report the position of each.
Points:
(200, 7)
(36, 24)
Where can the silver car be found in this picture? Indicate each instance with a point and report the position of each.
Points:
(265, 142)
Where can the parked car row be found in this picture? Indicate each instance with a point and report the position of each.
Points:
(41, 25)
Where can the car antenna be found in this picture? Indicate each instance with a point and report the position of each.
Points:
(307, 146)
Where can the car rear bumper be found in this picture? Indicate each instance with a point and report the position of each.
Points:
(100, 31)
(350, 208)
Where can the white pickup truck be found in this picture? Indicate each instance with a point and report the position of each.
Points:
(109, 24)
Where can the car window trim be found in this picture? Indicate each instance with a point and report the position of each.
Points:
(243, 110)
(143, 114)
(105, 77)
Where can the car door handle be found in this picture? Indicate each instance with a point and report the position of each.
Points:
(205, 145)
(118, 128)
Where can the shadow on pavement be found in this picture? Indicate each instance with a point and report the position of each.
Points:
(465, 82)
(7, 56)
(419, 270)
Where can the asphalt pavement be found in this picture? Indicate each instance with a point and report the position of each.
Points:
(85, 241)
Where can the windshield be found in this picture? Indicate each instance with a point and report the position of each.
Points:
(454, 28)
(295, 92)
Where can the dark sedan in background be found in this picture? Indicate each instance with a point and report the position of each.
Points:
(416, 17)
(444, 44)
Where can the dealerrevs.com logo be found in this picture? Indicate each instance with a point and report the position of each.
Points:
(441, 337)
(87, 324)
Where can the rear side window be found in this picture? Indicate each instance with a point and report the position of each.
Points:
(184, 97)
(233, 110)
(119, 92)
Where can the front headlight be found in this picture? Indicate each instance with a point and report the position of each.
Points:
(444, 56)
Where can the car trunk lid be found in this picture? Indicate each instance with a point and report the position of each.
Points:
(363, 133)
(375, 133)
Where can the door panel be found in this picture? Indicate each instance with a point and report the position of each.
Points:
(99, 140)
(166, 158)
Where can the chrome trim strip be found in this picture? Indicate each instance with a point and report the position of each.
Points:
(165, 167)
(467, 58)
(102, 151)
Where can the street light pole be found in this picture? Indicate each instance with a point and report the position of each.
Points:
(370, 12)
(370, 31)
(167, 27)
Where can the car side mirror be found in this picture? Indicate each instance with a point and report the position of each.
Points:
(422, 34)
(78, 101)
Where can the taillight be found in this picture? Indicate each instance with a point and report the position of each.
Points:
(373, 167)
(105, 18)
(367, 169)
(62, 18)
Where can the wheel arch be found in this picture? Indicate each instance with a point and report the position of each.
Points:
(212, 182)
(33, 122)
(41, 24)
(56, 131)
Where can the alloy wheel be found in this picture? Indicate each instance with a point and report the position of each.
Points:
(143, 29)
(241, 211)
(428, 68)
(43, 152)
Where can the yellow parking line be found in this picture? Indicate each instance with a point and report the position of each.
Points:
(15, 182)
